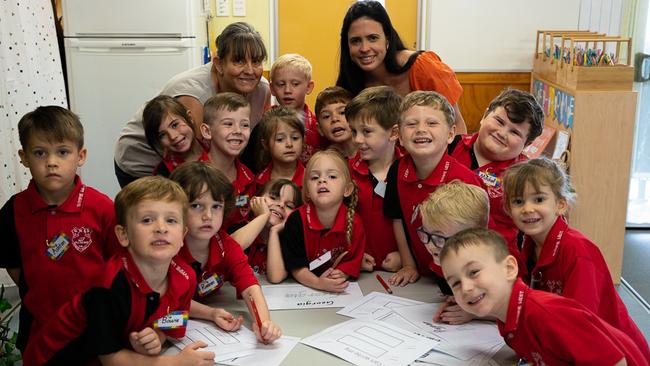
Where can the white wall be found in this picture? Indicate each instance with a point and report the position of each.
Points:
(499, 35)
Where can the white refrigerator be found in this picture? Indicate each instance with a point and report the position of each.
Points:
(119, 54)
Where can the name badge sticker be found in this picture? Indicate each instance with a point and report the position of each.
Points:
(490, 179)
(173, 320)
(320, 260)
(58, 246)
(241, 200)
(209, 284)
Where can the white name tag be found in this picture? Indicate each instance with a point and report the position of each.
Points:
(172, 320)
(320, 260)
(380, 189)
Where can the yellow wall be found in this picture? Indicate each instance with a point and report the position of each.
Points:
(311, 28)
(257, 15)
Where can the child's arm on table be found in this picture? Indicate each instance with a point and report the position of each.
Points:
(147, 341)
(188, 356)
(247, 234)
(408, 273)
(269, 331)
(324, 282)
(219, 316)
(275, 270)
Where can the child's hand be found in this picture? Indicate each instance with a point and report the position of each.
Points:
(277, 228)
(335, 274)
(259, 206)
(226, 321)
(404, 276)
(367, 263)
(146, 342)
(269, 333)
(392, 262)
(330, 284)
(191, 356)
(451, 313)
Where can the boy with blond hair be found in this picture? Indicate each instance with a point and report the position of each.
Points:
(426, 127)
(453, 207)
(332, 123)
(228, 127)
(544, 328)
(291, 82)
(511, 122)
(142, 296)
(58, 232)
(373, 116)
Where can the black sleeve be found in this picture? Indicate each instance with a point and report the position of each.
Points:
(443, 285)
(107, 315)
(392, 208)
(9, 246)
(454, 142)
(292, 242)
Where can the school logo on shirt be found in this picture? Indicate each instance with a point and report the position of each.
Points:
(82, 238)
(554, 286)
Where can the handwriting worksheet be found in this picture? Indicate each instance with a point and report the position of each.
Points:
(296, 296)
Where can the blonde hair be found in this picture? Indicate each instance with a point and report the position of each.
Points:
(536, 172)
(456, 203)
(154, 188)
(476, 237)
(294, 61)
(350, 201)
(428, 99)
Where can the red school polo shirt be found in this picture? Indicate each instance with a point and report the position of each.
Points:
(304, 239)
(226, 262)
(313, 140)
(244, 185)
(462, 149)
(265, 175)
(405, 192)
(257, 256)
(380, 238)
(98, 322)
(548, 329)
(172, 160)
(572, 266)
(30, 227)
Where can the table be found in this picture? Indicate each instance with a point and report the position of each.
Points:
(303, 323)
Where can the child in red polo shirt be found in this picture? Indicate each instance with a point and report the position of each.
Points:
(453, 207)
(323, 241)
(141, 296)
(57, 233)
(560, 259)
(544, 328)
(281, 137)
(373, 116)
(171, 133)
(228, 127)
(271, 207)
(213, 255)
(426, 126)
(512, 121)
(332, 124)
(290, 83)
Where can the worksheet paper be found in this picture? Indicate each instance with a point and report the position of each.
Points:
(375, 304)
(464, 341)
(235, 345)
(296, 296)
(370, 342)
(266, 354)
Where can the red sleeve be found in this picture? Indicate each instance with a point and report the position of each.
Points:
(428, 72)
(351, 264)
(583, 283)
(239, 273)
(576, 343)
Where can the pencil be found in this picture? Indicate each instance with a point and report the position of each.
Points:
(338, 259)
(383, 283)
(257, 314)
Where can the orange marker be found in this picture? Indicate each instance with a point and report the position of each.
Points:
(383, 283)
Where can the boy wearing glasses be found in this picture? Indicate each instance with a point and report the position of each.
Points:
(451, 208)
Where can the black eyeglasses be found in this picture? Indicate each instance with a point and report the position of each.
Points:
(425, 237)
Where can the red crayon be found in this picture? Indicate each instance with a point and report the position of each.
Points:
(383, 283)
(257, 314)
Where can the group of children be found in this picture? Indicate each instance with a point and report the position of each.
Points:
(367, 182)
